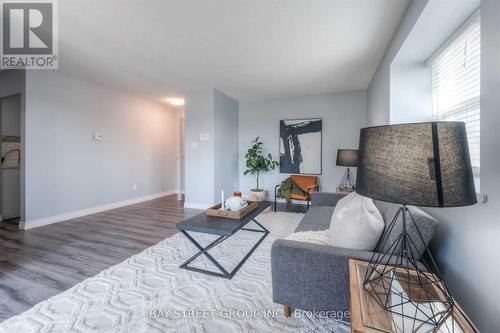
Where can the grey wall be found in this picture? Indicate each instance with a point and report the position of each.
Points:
(467, 243)
(199, 162)
(410, 93)
(226, 145)
(211, 165)
(66, 170)
(343, 115)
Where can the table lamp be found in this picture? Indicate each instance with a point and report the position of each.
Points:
(421, 164)
(347, 158)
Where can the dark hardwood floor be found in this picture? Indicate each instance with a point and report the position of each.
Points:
(39, 263)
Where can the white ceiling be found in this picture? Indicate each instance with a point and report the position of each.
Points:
(249, 50)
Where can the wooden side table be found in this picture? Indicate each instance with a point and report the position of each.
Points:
(367, 316)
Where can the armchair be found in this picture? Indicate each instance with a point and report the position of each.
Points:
(308, 184)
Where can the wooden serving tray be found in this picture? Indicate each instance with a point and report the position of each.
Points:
(214, 211)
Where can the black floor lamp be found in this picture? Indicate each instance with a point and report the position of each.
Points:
(421, 164)
(347, 158)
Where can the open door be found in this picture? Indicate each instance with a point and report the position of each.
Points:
(180, 158)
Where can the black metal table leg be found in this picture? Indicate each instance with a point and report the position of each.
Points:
(265, 232)
(260, 225)
(204, 251)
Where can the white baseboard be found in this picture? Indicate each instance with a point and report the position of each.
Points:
(93, 210)
(196, 205)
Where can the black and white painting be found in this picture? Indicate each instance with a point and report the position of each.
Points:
(300, 146)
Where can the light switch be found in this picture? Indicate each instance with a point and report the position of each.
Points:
(194, 145)
(204, 137)
(98, 136)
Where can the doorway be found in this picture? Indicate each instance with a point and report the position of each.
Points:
(10, 163)
(181, 156)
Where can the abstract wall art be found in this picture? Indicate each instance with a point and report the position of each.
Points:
(300, 146)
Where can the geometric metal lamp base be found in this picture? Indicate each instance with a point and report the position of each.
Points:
(402, 281)
(348, 182)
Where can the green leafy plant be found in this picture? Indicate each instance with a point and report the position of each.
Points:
(257, 162)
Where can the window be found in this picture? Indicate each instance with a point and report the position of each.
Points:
(455, 84)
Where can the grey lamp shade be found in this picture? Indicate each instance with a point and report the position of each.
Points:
(347, 157)
(421, 164)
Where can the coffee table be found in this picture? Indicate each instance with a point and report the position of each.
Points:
(223, 227)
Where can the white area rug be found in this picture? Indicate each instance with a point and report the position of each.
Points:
(149, 293)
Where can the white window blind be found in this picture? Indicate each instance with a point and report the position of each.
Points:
(455, 83)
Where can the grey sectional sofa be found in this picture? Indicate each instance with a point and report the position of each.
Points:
(315, 277)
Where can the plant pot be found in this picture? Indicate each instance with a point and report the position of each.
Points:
(257, 194)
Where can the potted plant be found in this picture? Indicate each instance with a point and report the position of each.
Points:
(257, 163)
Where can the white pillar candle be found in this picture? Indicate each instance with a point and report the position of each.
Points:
(222, 200)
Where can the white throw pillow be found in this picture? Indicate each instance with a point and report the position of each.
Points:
(356, 223)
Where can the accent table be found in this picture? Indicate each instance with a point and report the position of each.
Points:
(367, 316)
(223, 227)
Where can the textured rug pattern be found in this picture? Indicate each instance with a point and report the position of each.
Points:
(149, 293)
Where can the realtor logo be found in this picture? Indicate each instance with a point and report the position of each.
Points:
(29, 34)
